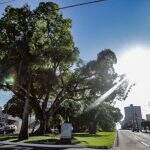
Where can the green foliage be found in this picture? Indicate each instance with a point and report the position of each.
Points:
(103, 117)
(69, 109)
(38, 46)
(14, 107)
(36, 37)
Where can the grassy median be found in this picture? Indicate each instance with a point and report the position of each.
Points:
(99, 140)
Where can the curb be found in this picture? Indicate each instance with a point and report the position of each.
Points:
(41, 145)
(116, 142)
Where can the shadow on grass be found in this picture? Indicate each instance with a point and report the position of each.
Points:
(75, 141)
(50, 135)
(16, 140)
(6, 138)
(38, 141)
(100, 147)
(46, 141)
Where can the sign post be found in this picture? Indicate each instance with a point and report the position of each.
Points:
(66, 133)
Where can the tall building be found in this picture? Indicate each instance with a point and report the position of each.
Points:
(133, 117)
(148, 117)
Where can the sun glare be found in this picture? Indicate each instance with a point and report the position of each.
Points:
(135, 64)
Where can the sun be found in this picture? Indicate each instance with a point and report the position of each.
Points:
(135, 63)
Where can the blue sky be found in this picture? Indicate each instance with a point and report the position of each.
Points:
(114, 24)
(111, 24)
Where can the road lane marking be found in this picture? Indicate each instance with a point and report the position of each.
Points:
(145, 144)
(139, 140)
(136, 138)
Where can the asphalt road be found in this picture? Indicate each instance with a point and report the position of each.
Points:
(15, 147)
(129, 140)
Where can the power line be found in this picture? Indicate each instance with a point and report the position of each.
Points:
(81, 4)
(65, 7)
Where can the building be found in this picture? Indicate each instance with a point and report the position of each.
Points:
(148, 117)
(133, 117)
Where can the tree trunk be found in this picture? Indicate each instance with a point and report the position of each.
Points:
(24, 127)
(44, 126)
(93, 128)
(48, 129)
(25, 83)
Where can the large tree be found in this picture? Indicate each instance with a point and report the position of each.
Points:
(34, 42)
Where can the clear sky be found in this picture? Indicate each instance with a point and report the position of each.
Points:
(116, 24)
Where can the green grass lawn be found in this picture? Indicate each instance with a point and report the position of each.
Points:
(46, 139)
(8, 137)
(99, 140)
